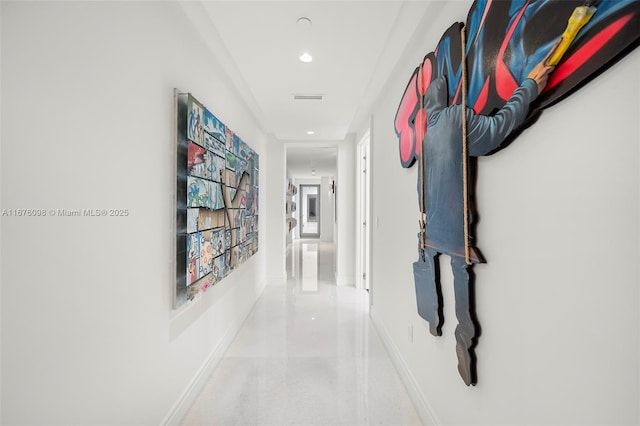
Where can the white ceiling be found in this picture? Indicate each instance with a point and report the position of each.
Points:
(354, 43)
(312, 161)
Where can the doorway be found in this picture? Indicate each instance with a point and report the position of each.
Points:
(364, 214)
(310, 211)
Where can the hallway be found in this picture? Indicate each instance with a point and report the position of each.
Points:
(307, 354)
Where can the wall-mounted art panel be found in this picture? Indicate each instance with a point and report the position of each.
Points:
(216, 200)
(472, 95)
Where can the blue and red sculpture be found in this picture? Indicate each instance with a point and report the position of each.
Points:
(510, 48)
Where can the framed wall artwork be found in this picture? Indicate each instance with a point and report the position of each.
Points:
(290, 206)
(216, 228)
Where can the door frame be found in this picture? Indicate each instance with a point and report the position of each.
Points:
(304, 207)
(363, 237)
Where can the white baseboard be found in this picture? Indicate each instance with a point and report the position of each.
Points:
(180, 409)
(425, 411)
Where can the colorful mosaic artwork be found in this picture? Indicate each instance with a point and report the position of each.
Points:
(216, 199)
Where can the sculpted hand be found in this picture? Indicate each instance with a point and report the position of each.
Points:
(540, 73)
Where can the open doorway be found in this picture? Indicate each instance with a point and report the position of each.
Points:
(310, 211)
(364, 215)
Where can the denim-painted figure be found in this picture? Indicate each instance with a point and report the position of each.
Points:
(444, 200)
(503, 48)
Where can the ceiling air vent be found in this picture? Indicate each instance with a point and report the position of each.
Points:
(307, 97)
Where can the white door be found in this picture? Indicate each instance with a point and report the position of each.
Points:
(364, 213)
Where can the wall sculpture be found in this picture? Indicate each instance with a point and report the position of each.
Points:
(520, 56)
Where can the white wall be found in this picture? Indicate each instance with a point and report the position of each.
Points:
(346, 223)
(88, 334)
(327, 212)
(558, 300)
(277, 195)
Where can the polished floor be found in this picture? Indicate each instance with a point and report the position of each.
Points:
(308, 354)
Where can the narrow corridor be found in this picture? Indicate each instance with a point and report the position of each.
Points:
(307, 354)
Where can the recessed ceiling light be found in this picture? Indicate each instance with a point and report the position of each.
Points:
(305, 57)
(310, 132)
(304, 22)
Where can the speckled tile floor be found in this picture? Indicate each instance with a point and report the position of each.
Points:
(308, 354)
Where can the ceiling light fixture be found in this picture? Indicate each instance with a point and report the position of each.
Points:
(310, 132)
(304, 22)
(305, 57)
